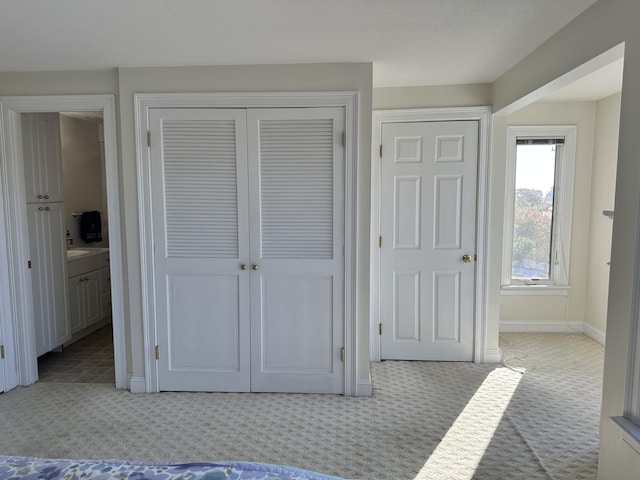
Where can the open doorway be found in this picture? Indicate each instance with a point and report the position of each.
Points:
(64, 168)
(16, 243)
(591, 104)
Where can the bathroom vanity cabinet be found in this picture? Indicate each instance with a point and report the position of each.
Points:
(89, 290)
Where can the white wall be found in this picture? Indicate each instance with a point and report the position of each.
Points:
(603, 187)
(604, 25)
(541, 313)
(82, 175)
(471, 95)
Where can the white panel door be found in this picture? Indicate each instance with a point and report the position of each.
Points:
(297, 238)
(428, 213)
(201, 240)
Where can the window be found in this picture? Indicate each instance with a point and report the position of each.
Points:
(538, 201)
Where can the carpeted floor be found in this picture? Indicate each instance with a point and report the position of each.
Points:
(426, 420)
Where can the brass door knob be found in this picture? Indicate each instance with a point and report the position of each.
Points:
(254, 267)
(243, 267)
(466, 258)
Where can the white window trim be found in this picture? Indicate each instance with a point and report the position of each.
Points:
(563, 197)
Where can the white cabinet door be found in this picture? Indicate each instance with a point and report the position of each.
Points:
(41, 150)
(76, 304)
(48, 274)
(200, 218)
(428, 213)
(296, 174)
(90, 287)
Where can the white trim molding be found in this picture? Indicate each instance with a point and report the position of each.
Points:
(492, 355)
(138, 385)
(542, 326)
(349, 100)
(483, 116)
(14, 249)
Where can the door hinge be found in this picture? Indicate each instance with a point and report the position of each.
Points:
(1, 351)
(380, 329)
(342, 354)
(380, 150)
(380, 241)
(344, 139)
(157, 352)
(29, 263)
(148, 138)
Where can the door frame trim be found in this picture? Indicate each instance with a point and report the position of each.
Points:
(145, 101)
(17, 299)
(483, 116)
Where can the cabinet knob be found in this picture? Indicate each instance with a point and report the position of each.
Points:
(46, 208)
(255, 267)
(243, 267)
(80, 280)
(46, 197)
(40, 208)
(39, 196)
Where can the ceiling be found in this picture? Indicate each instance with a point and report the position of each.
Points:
(409, 42)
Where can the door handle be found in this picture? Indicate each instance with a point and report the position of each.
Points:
(255, 267)
(243, 267)
(466, 258)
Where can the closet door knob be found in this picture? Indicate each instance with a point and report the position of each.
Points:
(255, 267)
(243, 267)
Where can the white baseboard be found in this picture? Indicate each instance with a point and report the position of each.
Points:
(595, 334)
(492, 355)
(138, 385)
(364, 387)
(541, 327)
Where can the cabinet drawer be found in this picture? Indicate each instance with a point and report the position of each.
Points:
(105, 280)
(105, 304)
(82, 265)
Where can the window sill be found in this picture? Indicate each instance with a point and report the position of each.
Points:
(561, 290)
(630, 432)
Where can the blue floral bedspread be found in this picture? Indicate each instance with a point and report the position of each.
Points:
(52, 469)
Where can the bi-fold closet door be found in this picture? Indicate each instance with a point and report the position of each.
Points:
(248, 215)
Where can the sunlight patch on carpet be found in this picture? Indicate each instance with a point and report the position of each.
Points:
(464, 445)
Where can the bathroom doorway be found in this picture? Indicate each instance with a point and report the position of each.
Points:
(63, 157)
(104, 256)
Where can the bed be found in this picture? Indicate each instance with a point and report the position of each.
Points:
(53, 469)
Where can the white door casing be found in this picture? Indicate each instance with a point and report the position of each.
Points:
(202, 225)
(15, 294)
(428, 211)
(146, 102)
(296, 173)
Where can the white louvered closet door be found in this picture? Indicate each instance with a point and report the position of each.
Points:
(200, 218)
(296, 175)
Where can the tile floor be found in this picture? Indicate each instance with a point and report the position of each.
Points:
(89, 360)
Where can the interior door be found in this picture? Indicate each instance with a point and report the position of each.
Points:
(296, 173)
(200, 217)
(427, 257)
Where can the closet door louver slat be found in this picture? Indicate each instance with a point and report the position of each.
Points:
(296, 185)
(201, 194)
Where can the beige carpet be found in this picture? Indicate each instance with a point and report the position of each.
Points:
(426, 420)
